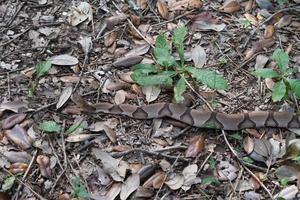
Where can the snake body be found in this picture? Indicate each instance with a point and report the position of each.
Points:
(193, 117)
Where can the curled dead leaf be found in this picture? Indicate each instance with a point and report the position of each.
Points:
(64, 97)
(162, 9)
(252, 19)
(227, 171)
(44, 165)
(19, 137)
(184, 5)
(156, 180)
(18, 168)
(12, 120)
(129, 186)
(195, 147)
(269, 31)
(127, 61)
(231, 6)
(110, 38)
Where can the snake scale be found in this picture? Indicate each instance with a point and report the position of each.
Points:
(197, 118)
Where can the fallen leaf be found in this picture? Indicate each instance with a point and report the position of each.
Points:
(269, 31)
(151, 92)
(198, 56)
(252, 196)
(261, 61)
(18, 168)
(18, 136)
(120, 97)
(126, 77)
(14, 106)
(284, 21)
(110, 164)
(195, 147)
(205, 21)
(44, 165)
(142, 192)
(184, 5)
(142, 4)
(231, 6)
(12, 120)
(127, 61)
(162, 8)
(17, 156)
(80, 137)
(249, 5)
(156, 180)
(64, 97)
(252, 19)
(138, 51)
(70, 79)
(175, 181)
(287, 193)
(114, 85)
(113, 191)
(110, 38)
(227, 171)
(81, 13)
(258, 46)
(63, 60)
(190, 177)
(129, 186)
(287, 172)
(86, 44)
(264, 4)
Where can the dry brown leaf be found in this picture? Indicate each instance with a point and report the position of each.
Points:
(136, 89)
(254, 183)
(12, 120)
(206, 21)
(184, 5)
(114, 20)
(269, 83)
(113, 191)
(252, 19)
(151, 92)
(17, 156)
(120, 97)
(258, 46)
(110, 38)
(113, 85)
(162, 9)
(195, 147)
(288, 193)
(63, 60)
(227, 171)
(138, 51)
(127, 61)
(18, 136)
(121, 148)
(142, 193)
(284, 21)
(269, 31)
(14, 106)
(80, 102)
(64, 97)
(175, 181)
(129, 186)
(142, 4)
(136, 20)
(231, 6)
(249, 5)
(156, 180)
(70, 79)
(44, 165)
(18, 168)
(80, 137)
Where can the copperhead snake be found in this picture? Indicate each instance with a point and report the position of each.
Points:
(193, 117)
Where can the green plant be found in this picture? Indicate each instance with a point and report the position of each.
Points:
(41, 69)
(244, 22)
(8, 183)
(78, 189)
(167, 70)
(281, 75)
(50, 126)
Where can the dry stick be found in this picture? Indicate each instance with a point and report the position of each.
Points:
(11, 40)
(8, 84)
(25, 174)
(25, 184)
(265, 21)
(237, 182)
(245, 167)
(132, 25)
(15, 14)
(81, 73)
(120, 154)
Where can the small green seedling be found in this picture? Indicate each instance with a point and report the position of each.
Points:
(245, 23)
(8, 183)
(50, 126)
(167, 70)
(283, 83)
(41, 69)
(78, 189)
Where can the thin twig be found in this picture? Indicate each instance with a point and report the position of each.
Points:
(11, 40)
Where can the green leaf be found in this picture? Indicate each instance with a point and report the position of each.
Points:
(210, 180)
(152, 80)
(266, 73)
(161, 42)
(74, 127)
(278, 91)
(295, 86)
(179, 89)
(209, 78)
(8, 183)
(145, 68)
(78, 189)
(282, 59)
(42, 68)
(50, 126)
(178, 38)
(164, 57)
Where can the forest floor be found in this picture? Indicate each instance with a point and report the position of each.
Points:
(51, 148)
